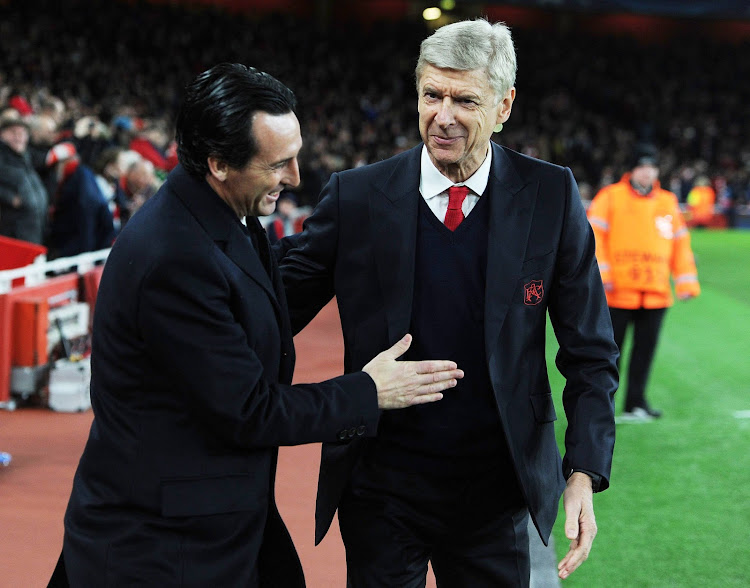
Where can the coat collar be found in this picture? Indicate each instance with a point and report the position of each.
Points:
(221, 224)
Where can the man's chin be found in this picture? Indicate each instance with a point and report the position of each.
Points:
(444, 154)
(266, 209)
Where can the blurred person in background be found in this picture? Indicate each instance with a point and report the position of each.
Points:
(726, 200)
(287, 220)
(139, 180)
(641, 243)
(154, 145)
(467, 245)
(91, 136)
(52, 106)
(192, 363)
(23, 198)
(700, 202)
(43, 136)
(108, 170)
(80, 218)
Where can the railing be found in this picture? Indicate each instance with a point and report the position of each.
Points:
(36, 272)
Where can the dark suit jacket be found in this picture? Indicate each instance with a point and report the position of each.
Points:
(191, 364)
(359, 244)
(81, 220)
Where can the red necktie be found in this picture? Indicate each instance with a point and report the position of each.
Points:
(454, 215)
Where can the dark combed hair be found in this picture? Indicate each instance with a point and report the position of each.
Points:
(215, 118)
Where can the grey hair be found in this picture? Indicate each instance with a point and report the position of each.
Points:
(469, 45)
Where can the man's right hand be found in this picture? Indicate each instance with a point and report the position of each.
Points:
(406, 383)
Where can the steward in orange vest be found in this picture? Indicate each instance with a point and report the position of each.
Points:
(642, 240)
(641, 243)
(701, 200)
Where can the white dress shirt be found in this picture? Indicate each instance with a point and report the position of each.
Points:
(434, 186)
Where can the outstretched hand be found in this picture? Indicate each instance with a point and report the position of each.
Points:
(580, 524)
(406, 383)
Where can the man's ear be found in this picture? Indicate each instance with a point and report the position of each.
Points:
(217, 168)
(505, 106)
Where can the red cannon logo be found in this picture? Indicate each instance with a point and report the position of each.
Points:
(533, 292)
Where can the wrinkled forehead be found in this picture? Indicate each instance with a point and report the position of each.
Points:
(475, 81)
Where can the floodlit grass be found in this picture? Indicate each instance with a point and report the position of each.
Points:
(678, 511)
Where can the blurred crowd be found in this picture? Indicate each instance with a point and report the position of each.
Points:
(96, 87)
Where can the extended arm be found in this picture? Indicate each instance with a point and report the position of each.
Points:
(587, 359)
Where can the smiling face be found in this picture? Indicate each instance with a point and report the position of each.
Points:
(457, 116)
(254, 189)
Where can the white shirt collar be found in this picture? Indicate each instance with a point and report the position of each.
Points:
(432, 183)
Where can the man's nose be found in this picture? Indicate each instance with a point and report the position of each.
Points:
(291, 178)
(445, 112)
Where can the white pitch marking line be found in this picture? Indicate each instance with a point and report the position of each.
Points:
(742, 414)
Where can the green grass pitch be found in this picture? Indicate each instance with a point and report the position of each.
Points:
(678, 511)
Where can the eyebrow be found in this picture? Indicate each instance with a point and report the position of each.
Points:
(466, 96)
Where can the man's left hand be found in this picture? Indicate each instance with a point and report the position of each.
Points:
(580, 524)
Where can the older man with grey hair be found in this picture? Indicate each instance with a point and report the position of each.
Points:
(468, 246)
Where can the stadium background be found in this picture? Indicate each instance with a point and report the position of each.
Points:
(594, 78)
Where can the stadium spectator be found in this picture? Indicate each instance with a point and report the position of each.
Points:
(154, 145)
(139, 181)
(287, 220)
(108, 170)
(43, 136)
(23, 199)
(192, 362)
(80, 218)
(453, 483)
(91, 136)
(641, 242)
(51, 106)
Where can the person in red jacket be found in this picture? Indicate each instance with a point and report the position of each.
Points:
(642, 246)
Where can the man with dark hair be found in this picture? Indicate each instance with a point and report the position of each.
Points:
(467, 245)
(192, 361)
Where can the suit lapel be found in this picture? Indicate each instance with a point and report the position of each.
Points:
(511, 209)
(221, 224)
(393, 215)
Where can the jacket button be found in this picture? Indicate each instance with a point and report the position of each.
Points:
(342, 434)
(361, 430)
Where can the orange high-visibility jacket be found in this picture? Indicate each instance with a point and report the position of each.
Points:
(640, 242)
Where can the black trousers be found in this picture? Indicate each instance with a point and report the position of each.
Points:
(472, 529)
(646, 328)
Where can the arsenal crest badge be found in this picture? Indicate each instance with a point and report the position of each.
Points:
(533, 292)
